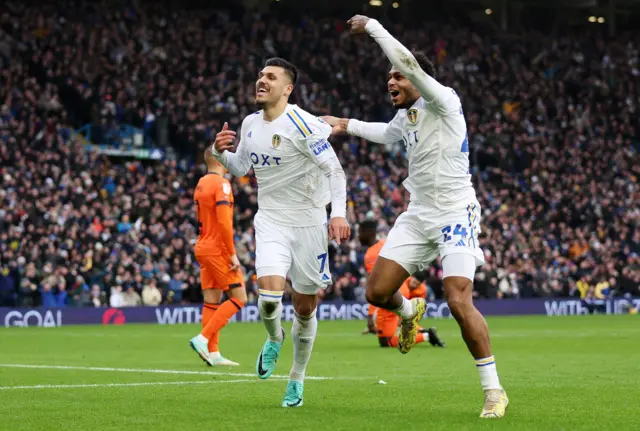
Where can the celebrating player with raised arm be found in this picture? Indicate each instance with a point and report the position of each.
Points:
(443, 216)
(298, 174)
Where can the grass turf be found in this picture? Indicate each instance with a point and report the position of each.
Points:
(562, 373)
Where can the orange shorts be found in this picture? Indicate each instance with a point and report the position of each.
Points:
(215, 273)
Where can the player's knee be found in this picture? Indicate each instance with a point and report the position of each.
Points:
(304, 304)
(240, 294)
(372, 298)
(212, 296)
(374, 293)
(458, 292)
(305, 310)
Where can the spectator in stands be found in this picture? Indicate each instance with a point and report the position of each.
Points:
(116, 300)
(54, 296)
(131, 298)
(97, 297)
(8, 293)
(151, 296)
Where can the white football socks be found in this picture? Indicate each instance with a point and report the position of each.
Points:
(406, 310)
(270, 308)
(303, 333)
(488, 373)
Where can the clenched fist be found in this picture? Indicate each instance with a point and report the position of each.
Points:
(357, 24)
(224, 139)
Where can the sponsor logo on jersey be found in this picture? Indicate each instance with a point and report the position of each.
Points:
(412, 116)
(320, 146)
(264, 160)
(226, 188)
(275, 141)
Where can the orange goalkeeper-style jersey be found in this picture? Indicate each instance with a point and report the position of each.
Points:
(372, 254)
(214, 207)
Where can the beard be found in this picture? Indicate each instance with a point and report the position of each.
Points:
(408, 103)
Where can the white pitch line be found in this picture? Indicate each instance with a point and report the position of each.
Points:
(154, 371)
(118, 385)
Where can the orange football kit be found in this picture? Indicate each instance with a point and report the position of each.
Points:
(214, 248)
(387, 321)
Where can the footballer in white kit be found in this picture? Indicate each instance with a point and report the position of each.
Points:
(298, 174)
(443, 216)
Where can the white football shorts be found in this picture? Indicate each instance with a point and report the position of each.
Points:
(300, 252)
(423, 232)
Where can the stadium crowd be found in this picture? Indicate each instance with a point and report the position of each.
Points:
(551, 122)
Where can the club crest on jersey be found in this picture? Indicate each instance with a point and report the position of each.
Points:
(412, 115)
(275, 141)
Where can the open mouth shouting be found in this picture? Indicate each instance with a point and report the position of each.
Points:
(262, 90)
(395, 95)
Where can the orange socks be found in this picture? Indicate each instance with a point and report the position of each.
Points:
(420, 338)
(218, 319)
(208, 311)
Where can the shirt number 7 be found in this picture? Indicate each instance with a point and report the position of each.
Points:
(323, 260)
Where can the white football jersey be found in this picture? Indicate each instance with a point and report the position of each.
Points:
(433, 130)
(435, 137)
(285, 154)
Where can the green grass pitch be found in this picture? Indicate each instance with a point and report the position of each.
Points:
(563, 373)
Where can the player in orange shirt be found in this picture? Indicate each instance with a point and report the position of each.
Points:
(386, 322)
(220, 270)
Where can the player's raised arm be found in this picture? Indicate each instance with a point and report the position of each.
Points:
(380, 133)
(402, 59)
(237, 163)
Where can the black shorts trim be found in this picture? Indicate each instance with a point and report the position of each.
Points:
(236, 304)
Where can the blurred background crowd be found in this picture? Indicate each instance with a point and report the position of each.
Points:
(552, 116)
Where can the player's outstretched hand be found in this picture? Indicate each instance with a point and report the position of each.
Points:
(338, 125)
(371, 325)
(339, 229)
(235, 263)
(224, 139)
(357, 24)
